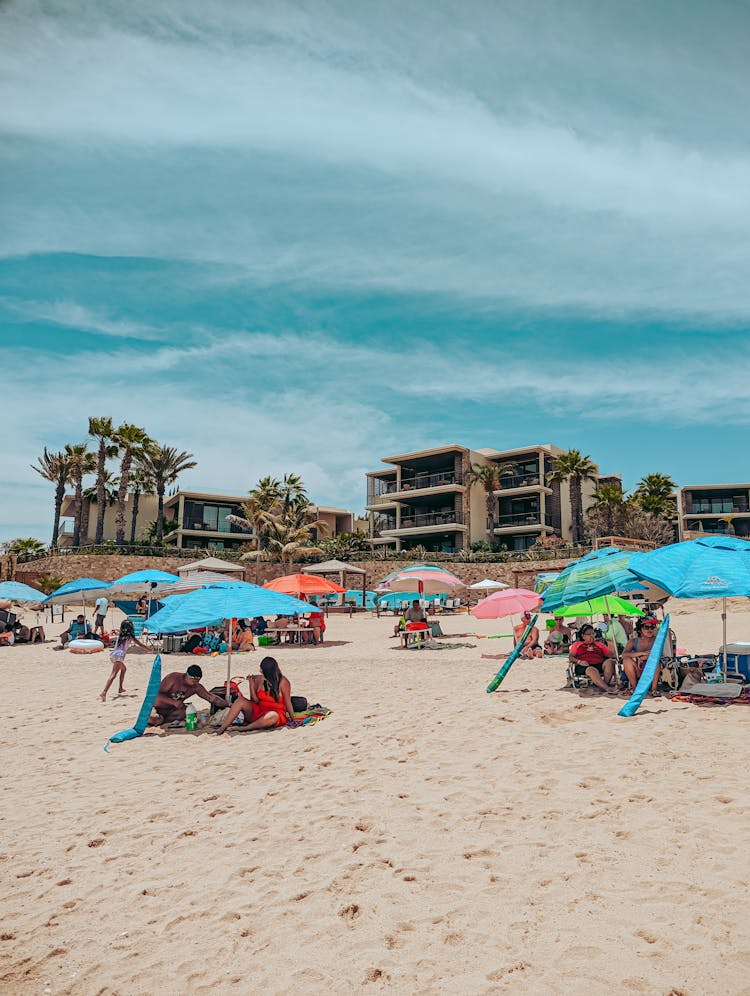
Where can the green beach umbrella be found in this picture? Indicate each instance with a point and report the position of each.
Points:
(609, 604)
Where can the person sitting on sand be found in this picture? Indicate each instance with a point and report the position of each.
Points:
(125, 640)
(531, 647)
(79, 629)
(242, 637)
(269, 702)
(173, 692)
(593, 658)
(637, 650)
(7, 636)
(141, 606)
(558, 638)
(258, 625)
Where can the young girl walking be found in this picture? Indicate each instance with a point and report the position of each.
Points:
(117, 654)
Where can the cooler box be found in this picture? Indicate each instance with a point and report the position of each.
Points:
(266, 641)
(738, 658)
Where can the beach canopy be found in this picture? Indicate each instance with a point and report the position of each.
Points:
(235, 600)
(197, 580)
(603, 605)
(487, 584)
(211, 564)
(333, 567)
(426, 578)
(78, 592)
(16, 591)
(304, 584)
(149, 581)
(509, 602)
(598, 573)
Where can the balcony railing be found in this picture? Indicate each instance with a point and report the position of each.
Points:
(431, 519)
(717, 507)
(224, 528)
(523, 519)
(519, 481)
(413, 482)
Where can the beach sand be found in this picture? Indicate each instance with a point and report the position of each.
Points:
(425, 838)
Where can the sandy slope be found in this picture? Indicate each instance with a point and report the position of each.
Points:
(425, 838)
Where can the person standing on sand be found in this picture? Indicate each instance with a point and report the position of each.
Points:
(173, 692)
(117, 655)
(100, 611)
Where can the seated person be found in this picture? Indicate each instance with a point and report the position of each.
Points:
(558, 638)
(7, 636)
(317, 623)
(278, 624)
(258, 625)
(175, 689)
(594, 659)
(242, 637)
(531, 647)
(141, 606)
(614, 635)
(79, 629)
(414, 614)
(638, 648)
(269, 702)
(627, 624)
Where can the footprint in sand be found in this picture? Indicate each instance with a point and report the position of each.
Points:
(350, 913)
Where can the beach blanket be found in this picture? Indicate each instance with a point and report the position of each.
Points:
(743, 698)
(141, 722)
(449, 646)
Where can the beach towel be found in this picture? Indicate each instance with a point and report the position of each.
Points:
(148, 703)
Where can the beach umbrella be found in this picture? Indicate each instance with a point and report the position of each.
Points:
(598, 573)
(78, 592)
(706, 567)
(197, 580)
(16, 591)
(487, 585)
(150, 581)
(432, 581)
(226, 602)
(508, 602)
(604, 604)
(304, 584)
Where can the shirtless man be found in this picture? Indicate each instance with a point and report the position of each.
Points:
(531, 647)
(173, 692)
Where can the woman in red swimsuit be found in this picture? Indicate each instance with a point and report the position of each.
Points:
(270, 700)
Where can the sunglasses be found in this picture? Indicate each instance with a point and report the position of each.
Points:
(648, 627)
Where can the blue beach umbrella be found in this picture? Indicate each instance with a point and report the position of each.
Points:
(707, 567)
(16, 591)
(598, 573)
(230, 601)
(76, 592)
(140, 581)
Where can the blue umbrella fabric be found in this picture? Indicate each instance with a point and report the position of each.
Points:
(649, 669)
(139, 581)
(74, 592)
(598, 573)
(230, 600)
(16, 591)
(707, 567)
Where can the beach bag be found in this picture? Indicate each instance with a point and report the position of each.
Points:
(299, 703)
(189, 645)
(221, 690)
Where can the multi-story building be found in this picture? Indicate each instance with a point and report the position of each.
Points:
(713, 508)
(147, 508)
(203, 521)
(425, 499)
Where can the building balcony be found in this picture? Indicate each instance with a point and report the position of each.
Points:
(523, 522)
(443, 480)
(716, 508)
(519, 483)
(203, 529)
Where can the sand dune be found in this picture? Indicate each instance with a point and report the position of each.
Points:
(425, 838)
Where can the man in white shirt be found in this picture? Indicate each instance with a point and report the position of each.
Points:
(100, 608)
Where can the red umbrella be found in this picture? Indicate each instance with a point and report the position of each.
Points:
(304, 584)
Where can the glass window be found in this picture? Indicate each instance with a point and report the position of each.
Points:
(210, 517)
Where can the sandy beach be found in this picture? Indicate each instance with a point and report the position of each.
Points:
(425, 838)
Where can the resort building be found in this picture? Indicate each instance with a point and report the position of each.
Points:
(713, 508)
(145, 515)
(425, 499)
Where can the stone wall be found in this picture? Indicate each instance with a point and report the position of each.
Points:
(106, 568)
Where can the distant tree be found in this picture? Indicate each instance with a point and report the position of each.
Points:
(91, 497)
(82, 462)
(48, 582)
(25, 548)
(103, 431)
(653, 492)
(55, 468)
(141, 482)
(490, 477)
(607, 513)
(575, 468)
(344, 545)
(648, 526)
(163, 465)
(129, 439)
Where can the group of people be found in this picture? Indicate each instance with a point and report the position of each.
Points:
(17, 632)
(596, 659)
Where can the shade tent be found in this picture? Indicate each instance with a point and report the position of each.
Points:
(82, 591)
(16, 591)
(341, 569)
(487, 585)
(211, 564)
(239, 600)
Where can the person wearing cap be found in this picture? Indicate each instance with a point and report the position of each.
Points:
(175, 689)
(638, 648)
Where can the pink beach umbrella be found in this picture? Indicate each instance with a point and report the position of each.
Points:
(509, 602)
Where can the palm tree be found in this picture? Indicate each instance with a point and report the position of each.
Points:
(290, 543)
(164, 464)
(82, 462)
(259, 509)
(141, 482)
(129, 439)
(575, 468)
(102, 429)
(490, 476)
(55, 467)
(605, 518)
(91, 497)
(292, 489)
(25, 548)
(653, 493)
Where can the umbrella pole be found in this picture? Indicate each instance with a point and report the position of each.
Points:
(724, 636)
(229, 661)
(614, 640)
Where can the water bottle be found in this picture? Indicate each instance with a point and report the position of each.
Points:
(191, 717)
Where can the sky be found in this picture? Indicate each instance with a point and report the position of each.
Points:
(300, 237)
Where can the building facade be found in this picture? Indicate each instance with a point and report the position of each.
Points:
(425, 498)
(146, 514)
(713, 508)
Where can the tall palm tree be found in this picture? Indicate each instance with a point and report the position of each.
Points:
(54, 467)
(490, 477)
(102, 430)
(164, 464)
(609, 508)
(91, 497)
(141, 482)
(292, 489)
(82, 462)
(129, 439)
(575, 468)
(259, 508)
(653, 492)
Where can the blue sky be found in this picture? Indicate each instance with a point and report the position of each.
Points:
(303, 236)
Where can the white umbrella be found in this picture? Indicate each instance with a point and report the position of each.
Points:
(198, 580)
(488, 585)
